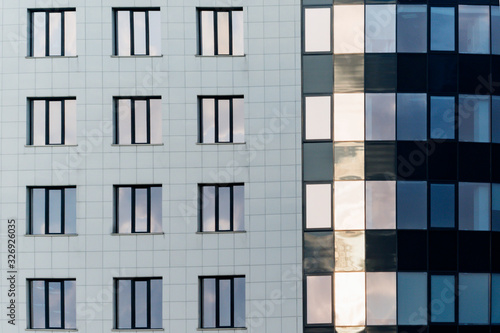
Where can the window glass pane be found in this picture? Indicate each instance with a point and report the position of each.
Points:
(55, 304)
(442, 205)
(124, 210)
(349, 120)
(39, 26)
(474, 206)
(412, 28)
(381, 298)
(55, 34)
(70, 304)
(224, 208)
(349, 251)
(156, 120)
(55, 208)
(124, 304)
(70, 211)
(412, 298)
(224, 302)
(319, 299)
(412, 205)
(123, 32)
(495, 298)
(141, 303)
(349, 205)
(442, 28)
(380, 116)
(348, 28)
(141, 210)
(154, 32)
(495, 207)
(38, 211)
(223, 33)
(381, 205)
(156, 209)
(442, 298)
(317, 29)
(38, 123)
(349, 160)
(70, 33)
(124, 121)
(349, 299)
(70, 122)
(318, 117)
(207, 32)
(239, 207)
(474, 118)
(139, 32)
(224, 121)
(239, 302)
(38, 304)
(208, 112)
(442, 117)
(208, 319)
(238, 41)
(495, 119)
(380, 28)
(412, 117)
(474, 29)
(495, 29)
(141, 122)
(238, 120)
(473, 303)
(55, 122)
(156, 303)
(318, 206)
(208, 209)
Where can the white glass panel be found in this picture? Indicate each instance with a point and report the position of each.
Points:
(349, 159)
(141, 210)
(380, 28)
(349, 299)
(317, 29)
(154, 32)
(224, 121)
(209, 298)
(318, 206)
(224, 208)
(124, 210)
(412, 298)
(139, 33)
(70, 33)
(380, 205)
(38, 304)
(412, 28)
(39, 27)
(442, 28)
(412, 117)
(238, 120)
(123, 33)
(156, 120)
(141, 122)
(238, 41)
(381, 298)
(156, 303)
(124, 121)
(495, 119)
(208, 113)
(70, 211)
(474, 118)
(208, 209)
(349, 117)
(54, 303)
(156, 209)
(207, 33)
(380, 116)
(319, 299)
(141, 303)
(349, 29)
(225, 303)
(495, 29)
(474, 206)
(70, 304)
(38, 211)
(412, 205)
(124, 304)
(55, 211)
(239, 302)
(55, 34)
(473, 303)
(442, 205)
(223, 33)
(442, 298)
(38, 123)
(55, 122)
(474, 29)
(239, 207)
(349, 205)
(442, 117)
(70, 122)
(349, 251)
(318, 117)
(495, 298)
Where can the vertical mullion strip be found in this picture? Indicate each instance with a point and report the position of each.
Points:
(216, 208)
(47, 306)
(201, 296)
(63, 209)
(47, 34)
(132, 200)
(230, 29)
(32, 122)
(200, 209)
(63, 14)
(63, 121)
(200, 118)
(231, 299)
(148, 120)
(146, 22)
(132, 120)
(231, 118)
(117, 121)
(148, 303)
(132, 46)
(216, 119)
(47, 122)
(148, 198)
(117, 216)
(32, 33)
(216, 34)
(63, 305)
(116, 51)
(117, 308)
(217, 302)
(231, 208)
(47, 198)
(132, 301)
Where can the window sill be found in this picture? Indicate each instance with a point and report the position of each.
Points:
(222, 232)
(138, 234)
(50, 57)
(136, 144)
(220, 56)
(53, 329)
(220, 143)
(137, 329)
(222, 329)
(136, 56)
(51, 235)
(36, 146)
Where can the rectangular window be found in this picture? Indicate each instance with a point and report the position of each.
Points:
(412, 298)
(318, 206)
(349, 203)
(138, 120)
(349, 29)
(318, 118)
(442, 29)
(380, 205)
(412, 205)
(349, 116)
(495, 207)
(319, 299)
(495, 29)
(474, 29)
(317, 29)
(220, 31)
(350, 251)
(350, 299)
(495, 298)
(138, 303)
(442, 203)
(473, 302)
(442, 116)
(380, 116)
(137, 31)
(442, 299)
(52, 121)
(412, 28)
(52, 32)
(222, 207)
(349, 159)
(474, 118)
(222, 119)
(474, 206)
(412, 116)
(138, 209)
(495, 119)
(52, 304)
(381, 298)
(52, 210)
(380, 28)
(222, 301)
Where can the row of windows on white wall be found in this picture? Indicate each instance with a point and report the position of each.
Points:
(387, 116)
(53, 32)
(390, 298)
(361, 205)
(138, 120)
(387, 28)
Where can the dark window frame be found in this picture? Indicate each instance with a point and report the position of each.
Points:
(216, 99)
(456, 295)
(31, 30)
(132, 300)
(216, 10)
(216, 208)
(456, 29)
(455, 202)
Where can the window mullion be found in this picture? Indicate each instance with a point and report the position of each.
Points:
(148, 198)
(231, 299)
(216, 34)
(132, 218)
(63, 120)
(132, 302)
(132, 120)
(132, 46)
(47, 305)
(63, 209)
(47, 122)
(230, 29)
(63, 13)
(148, 120)
(117, 120)
(146, 22)
(231, 208)
(217, 302)
(47, 34)
(47, 213)
(216, 119)
(63, 305)
(148, 305)
(216, 208)
(231, 119)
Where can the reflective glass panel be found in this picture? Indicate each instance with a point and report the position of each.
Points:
(124, 121)
(318, 206)
(380, 116)
(412, 28)
(381, 205)
(70, 33)
(473, 303)
(495, 298)
(349, 205)
(38, 304)
(412, 116)
(222, 33)
(208, 319)
(70, 304)
(224, 208)
(156, 303)
(139, 33)
(442, 205)
(318, 117)
(156, 120)
(238, 41)
(319, 299)
(224, 120)
(349, 116)
(495, 207)
(349, 160)
(349, 251)
(38, 211)
(380, 28)
(55, 34)
(55, 122)
(124, 210)
(442, 28)
(349, 29)
(208, 109)
(474, 29)
(349, 299)
(141, 210)
(39, 26)
(238, 120)
(495, 29)
(207, 33)
(412, 205)
(123, 32)
(141, 303)
(442, 298)
(38, 123)
(70, 211)
(474, 118)
(225, 302)
(141, 122)
(474, 206)
(412, 298)
(495, 119)
(124, 304)
(381, 298)
(55, 309)
(317, 29)
(55, 211)
(156, 209)
(239, 208)
(154, 32)
(208, 209)
(70, 122)
(442, 117)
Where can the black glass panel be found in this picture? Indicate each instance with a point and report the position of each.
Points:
(442, 250)
(380, 72)
(318, 74)
(442, 329)
(474, 74)
(476, 2)
(443, 2)
(318, 252)
(318, 330)
(412, 160)
(349, 73)
(380, 160)
(495, 252)
(442, 73)
(412, 250)
(495, 329)
(473, 329)
(495, 75)
(474, 162)
(381, 248)
(474, 251)
(318, 161)
(381, 329)
(412, 72)
(495, 163)
(412, 329)
(442, 160)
